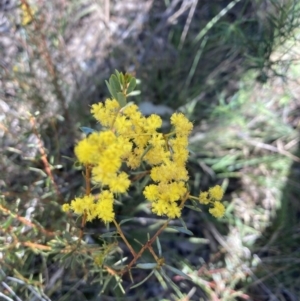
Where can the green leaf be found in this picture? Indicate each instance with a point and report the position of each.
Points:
(127, 105)
(114, 85)
(158, 246)
(178, 272)
(182, 230)
(87, 130)
(121, 99)
(146, 266)
(131, 86)
(108, 234)
(144, 280)
(146, 151)
(120, 287)
(134, 93)
(8, 222)
(119, 265)
(193, 208)
(125, 220)
(198, 240)
(122, 80)
(183, 223)
(107, 280)
(39, 171)
(171, 283)
(118, 74)
(109, 88)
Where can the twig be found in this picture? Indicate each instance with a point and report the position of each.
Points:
(44, 157)
(87, 177)
(26, 222)
(145, 247)
(124, 238)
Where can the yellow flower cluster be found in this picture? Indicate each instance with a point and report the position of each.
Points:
(102, 208)
(27, 14)
(128, 137)
(170, 172)
(104, 151)
(213, 197)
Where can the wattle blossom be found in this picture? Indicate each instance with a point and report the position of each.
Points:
(128, 137)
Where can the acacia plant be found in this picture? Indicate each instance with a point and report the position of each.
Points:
(129, 139)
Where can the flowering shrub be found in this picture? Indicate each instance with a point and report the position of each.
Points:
(130, 139)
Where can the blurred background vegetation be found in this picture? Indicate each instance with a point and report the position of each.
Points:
(231, 66)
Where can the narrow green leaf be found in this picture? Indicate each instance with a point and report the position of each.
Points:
(113, 89)
(121, 287)
(125, 220)
(146, 151)
(7, 223)
(146, 266)
(115, 79)
(134, 93)
(161, 279)
(108, 279)
(121, 99)
(138, 284)
(120, 263)
(182, 230)
(137, 241)
(118, 74)
(109, 88)
(171, 283)
(127, 105)
(108, 234)
(131, 86)
(193, 208)
(114, 83)
(158, 246)
(199, 240)
(39, 171)
(122, 80)
(183, 223)
(87, 130)
(177, 272)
